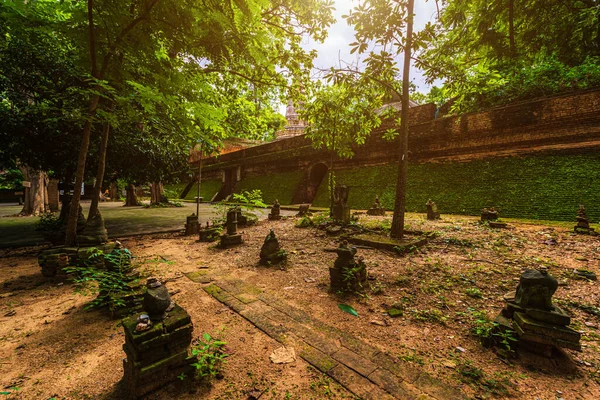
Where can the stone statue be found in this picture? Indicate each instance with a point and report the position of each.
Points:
(432, 210)
(376, 208)
(347, 273)
(583, 222)
(341, 210)
(275, 213)
(271, 252)
(156, 299)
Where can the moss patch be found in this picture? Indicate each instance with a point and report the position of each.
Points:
(275, 186)
(537, 187)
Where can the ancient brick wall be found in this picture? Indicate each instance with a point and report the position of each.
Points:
(565, 128)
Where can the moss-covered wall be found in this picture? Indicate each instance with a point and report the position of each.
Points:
(208, 189)
(280, 186)
(538, 187)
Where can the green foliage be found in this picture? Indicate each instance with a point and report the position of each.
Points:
(304, 222)
(348, 309)
(474, 293)
(48, 222)
(11, 179)
(251, 198)
(211, 355)
(429, 315)
(107, 275)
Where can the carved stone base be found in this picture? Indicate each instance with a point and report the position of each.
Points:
(231, 240)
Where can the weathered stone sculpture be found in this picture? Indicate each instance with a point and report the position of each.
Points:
(192, 225)
(583, 222)
(376, 208)
(156, 299)
(432, 210)
(491, 217)
(94, 232)
(275, 213)
(539, 324)
(231, 237)
(341, 210)
(271, 252)
(303, 210)
(347, 273)
(157, 350)
(208, 233)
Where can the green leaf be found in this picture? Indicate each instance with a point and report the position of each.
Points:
(348, 309)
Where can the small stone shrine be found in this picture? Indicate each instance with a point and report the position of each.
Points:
(540, 325)
(271, 252)
(491, 217)
(94, 232)
(303, 210)
(208, 233)
(583, 222)
(53, 260)
(275, 213)
(347, 273)
(341, 210)
(432, 210)
(231, 237)
(156, 343)
(192, 225)
(376, 208)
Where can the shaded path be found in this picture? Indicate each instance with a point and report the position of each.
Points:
(356, 365)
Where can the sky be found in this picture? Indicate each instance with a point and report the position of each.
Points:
(336, 46)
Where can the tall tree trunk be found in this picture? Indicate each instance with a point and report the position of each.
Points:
(131, 199)
(397, 230)
(157, 193)
(99, 172)
(511, 27)
(71, 233)
(35, 196)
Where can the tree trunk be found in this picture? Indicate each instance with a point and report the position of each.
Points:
(71, 237)
(114, 192)
(397, 230)
(511, 27)
(157, 193)
(35, 197)
(131, 199)
(99, 172)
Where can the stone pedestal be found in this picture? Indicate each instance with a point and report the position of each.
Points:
(432, 210)
(347, 274)
(94, 232)
(303, 210)
(275, 213)
(158, 355)
(540, 325)
(583, 223)
(54, 259)
(271, 252)
(52, 264)
(192, 226)
(208, 234)
(231, 238)
(341, 210)
(376, 208)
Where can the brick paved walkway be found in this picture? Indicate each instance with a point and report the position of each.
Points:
(356, 365)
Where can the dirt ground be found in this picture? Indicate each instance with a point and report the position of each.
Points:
(50, 347)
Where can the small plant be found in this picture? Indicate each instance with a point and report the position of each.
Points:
(431, 315)
(304, 222)
(48, 222)
(411, 357)
(111, 274)
(250, 198)
(211, 356)
(474, 293)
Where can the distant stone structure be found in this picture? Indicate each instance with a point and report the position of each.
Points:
(156, 343)
(583, 222)
(341, 210)
(491, 217)
(271, 252)
(231, 237)
(275, 213)
(295, 126)
(540, 325)
(208, 233)
(432, 210)
(192, 225)
(347, 273)
(376, 208)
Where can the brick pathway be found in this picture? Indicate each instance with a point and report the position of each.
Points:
(356, 365)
